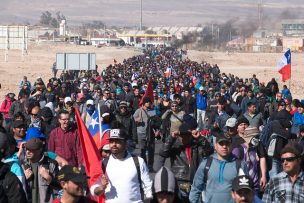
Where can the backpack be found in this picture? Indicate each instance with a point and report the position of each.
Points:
(272, 144)
(238, 164)
(136, 162)
(265, 134)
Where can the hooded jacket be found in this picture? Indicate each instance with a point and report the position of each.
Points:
(219, 183)
(182, 166)
(128, 122)
(279, 127)
(16, 169)
(5, 107)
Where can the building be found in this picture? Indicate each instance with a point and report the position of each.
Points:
(293, 43)
(293, 27)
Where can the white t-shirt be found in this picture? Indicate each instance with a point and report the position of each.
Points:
(123, 181)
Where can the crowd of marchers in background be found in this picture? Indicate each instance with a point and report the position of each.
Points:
(173, 130)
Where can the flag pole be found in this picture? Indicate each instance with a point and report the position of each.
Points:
(289, 83)
(100, 123)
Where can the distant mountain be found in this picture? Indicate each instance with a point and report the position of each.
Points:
(155, 12)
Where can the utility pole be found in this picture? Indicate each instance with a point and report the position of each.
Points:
(140, 26)
(260, 13)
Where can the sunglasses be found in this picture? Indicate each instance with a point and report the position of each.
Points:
(34, 114)
(289, 159)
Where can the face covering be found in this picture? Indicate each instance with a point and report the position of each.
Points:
(90, 111)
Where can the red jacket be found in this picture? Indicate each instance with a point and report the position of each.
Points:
(5, 106)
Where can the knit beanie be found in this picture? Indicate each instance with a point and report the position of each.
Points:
(164, 181)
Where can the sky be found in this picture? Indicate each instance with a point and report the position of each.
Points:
(155, 12)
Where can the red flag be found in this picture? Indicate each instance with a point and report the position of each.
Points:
(91, 156)
(148, 93)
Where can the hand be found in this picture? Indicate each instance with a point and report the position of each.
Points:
(44, 173)
(175, 134)
(101, 189)
(156, 133)
(20, 149)
(28, 173)
(104, 181)
(263, 182)
(195, 133)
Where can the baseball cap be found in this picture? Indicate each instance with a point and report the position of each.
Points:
(242, 182)
(123, 104)
(90, 102)
(118, 134)
(231, 122)
(201, 88)
(71, 173)
(67, 99)
(222, 137)
(34, 144)
(241, 120)
(106, 147)
(164, 181)
(19, 124)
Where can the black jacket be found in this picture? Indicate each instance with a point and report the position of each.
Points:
(128, 122)
(11, 190)
(189, 105)
(184, 171)
(277, 128)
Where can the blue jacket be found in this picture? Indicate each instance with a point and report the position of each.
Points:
(219, 182)
(201, 102)
(298, 118)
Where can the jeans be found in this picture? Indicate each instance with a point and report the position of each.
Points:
(276, 167)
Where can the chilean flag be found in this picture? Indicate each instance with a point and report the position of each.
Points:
(284, 66)
(95, 128)
(91, 156)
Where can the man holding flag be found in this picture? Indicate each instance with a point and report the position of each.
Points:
(91, 158)
(129, 180)
(284, 66)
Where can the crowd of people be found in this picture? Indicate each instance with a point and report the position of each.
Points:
(173, 130)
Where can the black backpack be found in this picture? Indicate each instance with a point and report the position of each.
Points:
(238, 164)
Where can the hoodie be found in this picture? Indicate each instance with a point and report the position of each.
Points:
(16, 169)
(5, 106)
(219, 182)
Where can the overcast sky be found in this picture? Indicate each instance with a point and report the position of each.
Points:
(155, 12)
